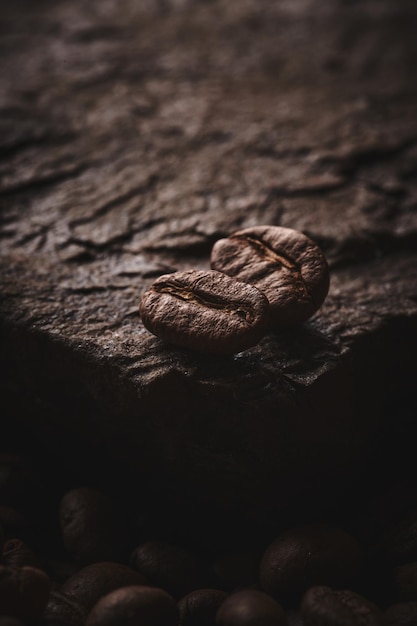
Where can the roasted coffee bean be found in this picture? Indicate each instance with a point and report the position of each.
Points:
(286, 265)
(24, 591)
(205, 311)
(315, 554)
(250, 608)
(63, 610)
(199, 607)
(323, 606)
(131, 606)
(94, 581)
(171, 567)
(90, 526)
(401, 614)
(16, 553)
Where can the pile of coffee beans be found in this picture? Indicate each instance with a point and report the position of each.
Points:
(262, 277)
(75, 555)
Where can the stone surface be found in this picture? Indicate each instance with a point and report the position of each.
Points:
(133, 136)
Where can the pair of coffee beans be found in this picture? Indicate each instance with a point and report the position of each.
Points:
(261, 277)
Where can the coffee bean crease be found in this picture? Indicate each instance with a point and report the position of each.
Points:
(267, 252)
(206, 300)
(205, 311)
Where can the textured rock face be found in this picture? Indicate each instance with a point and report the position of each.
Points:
(133, 136)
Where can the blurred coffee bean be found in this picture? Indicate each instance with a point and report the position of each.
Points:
(322, 606)
(199, 607)
(131, 606)
(238, 569)
(63, 610)
(91, 529)
(16, 553)
(171, 567)
(401, 614)
(92, 582)
(24, 591)
(405, 582)
(250, 608)
(316, 554)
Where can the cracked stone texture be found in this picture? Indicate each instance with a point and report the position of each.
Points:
(133, 135)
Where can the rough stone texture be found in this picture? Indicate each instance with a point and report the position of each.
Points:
(133, 135)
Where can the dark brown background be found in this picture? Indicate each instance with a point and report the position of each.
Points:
(136, 133)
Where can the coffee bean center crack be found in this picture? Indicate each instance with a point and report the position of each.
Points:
(188, 296)
(277, 261)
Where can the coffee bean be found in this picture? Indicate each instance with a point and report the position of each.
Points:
(315, 554)
(63, 610)
(92, 582)
(250, 608)
(17, 553)
(199, 607)
(24, 591)
(171, 567)
(323, 606)
(286, 265)
(90, 526)
(401, 614)
(205, 311)
(131, 606)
